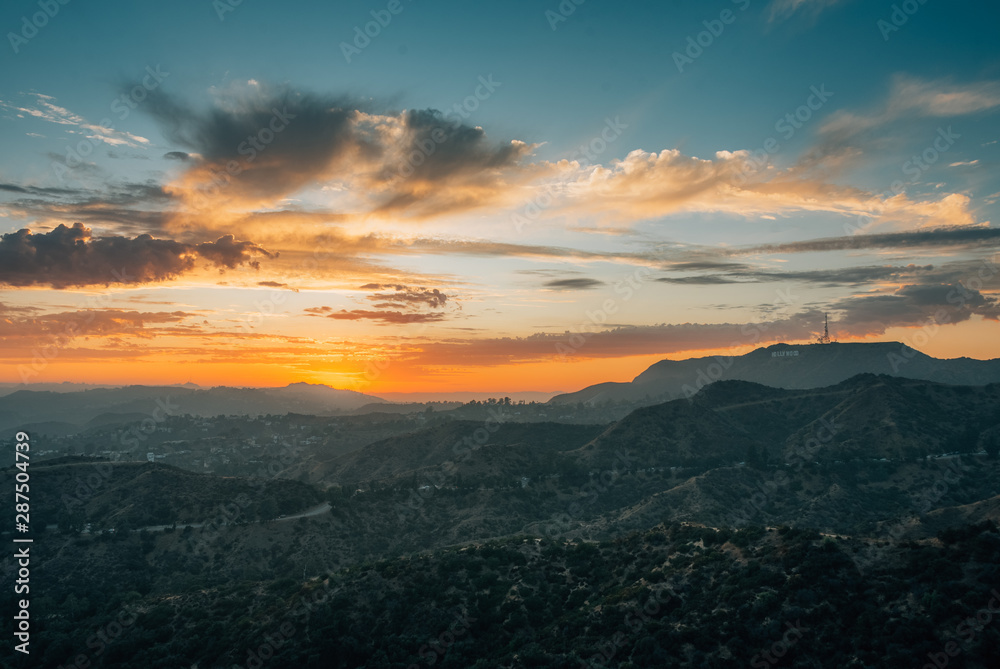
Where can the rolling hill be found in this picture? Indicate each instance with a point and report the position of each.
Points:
(549, 535)
(73, 491)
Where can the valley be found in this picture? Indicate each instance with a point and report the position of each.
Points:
(368, 535)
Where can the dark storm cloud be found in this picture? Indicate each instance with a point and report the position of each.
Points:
(706, 280)
(71, 256)
(393, 304)
(269, 142)
(276, 284)
(708, 265)
(460, 147)
(843, 276)
(227, 252)
(913, 305)
(405, 296)
(281, 140)
(950, 236)
(573, 284)
(177, 155)
(382, 317)
(437, 150)
(34, 190)
(125, 207)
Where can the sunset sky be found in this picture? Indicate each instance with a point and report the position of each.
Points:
(490, 196)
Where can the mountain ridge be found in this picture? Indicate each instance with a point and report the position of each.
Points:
(787, 366)
(25, 407)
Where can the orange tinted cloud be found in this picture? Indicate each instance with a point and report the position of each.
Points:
(382, 317)
(648, 185)
(261, 144)
(27, 324)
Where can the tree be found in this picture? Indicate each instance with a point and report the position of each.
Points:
(754, 458)
(72, 522)
(267, 509)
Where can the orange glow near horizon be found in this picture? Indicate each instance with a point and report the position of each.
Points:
(976, 338)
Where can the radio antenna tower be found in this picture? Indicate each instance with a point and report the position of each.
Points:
(825, 339)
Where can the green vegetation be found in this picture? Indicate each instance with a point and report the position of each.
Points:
(674, 596)
(690, 534)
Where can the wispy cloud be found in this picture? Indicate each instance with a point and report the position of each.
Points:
(45, 109)
(780, 10)
(16, 323)
(381, 317)
(841, 276)
(401, 296)
(394, 304)
(858, 316)
(912, 97)
(969, 238)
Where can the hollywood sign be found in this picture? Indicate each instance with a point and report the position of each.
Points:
(784, 354)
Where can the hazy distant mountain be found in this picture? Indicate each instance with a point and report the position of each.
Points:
(70, 387)
(64, 387)
(468, 396)
(123, 405)
(788, 366)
